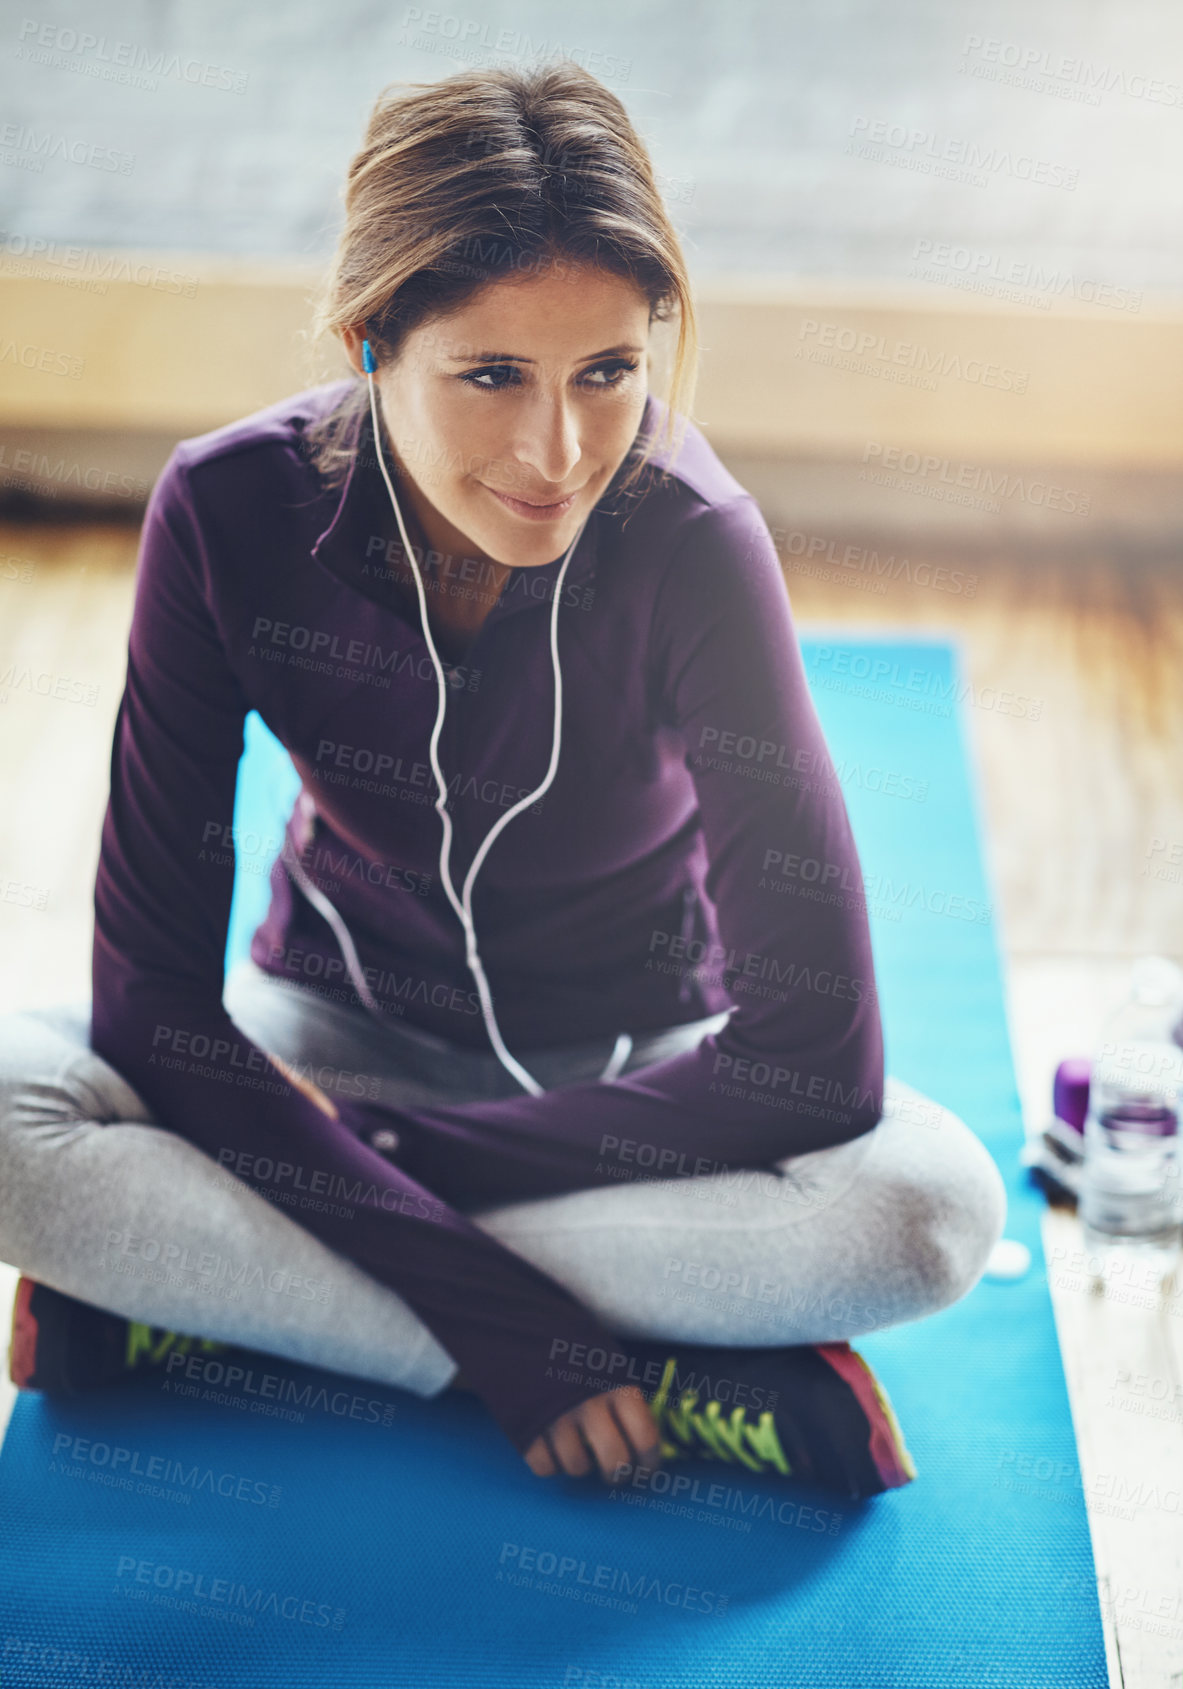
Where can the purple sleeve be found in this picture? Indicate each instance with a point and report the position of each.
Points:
(162, 901)
(163, 887)
(799, 1065)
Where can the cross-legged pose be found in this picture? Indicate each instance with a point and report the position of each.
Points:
(556, 1068)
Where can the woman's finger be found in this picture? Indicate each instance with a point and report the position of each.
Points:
(569, 1448)
(639, 1426)
(540, 1460)
(604, 1435)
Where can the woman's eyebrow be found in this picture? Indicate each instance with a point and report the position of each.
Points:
(515, 358)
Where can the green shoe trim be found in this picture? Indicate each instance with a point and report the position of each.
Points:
(687, 1429)
(143, 1348)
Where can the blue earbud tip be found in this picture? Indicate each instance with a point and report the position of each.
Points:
(367, 358)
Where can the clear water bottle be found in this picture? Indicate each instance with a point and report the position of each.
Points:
(1129, 1185)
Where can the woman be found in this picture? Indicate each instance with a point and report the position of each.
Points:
(607, 1132)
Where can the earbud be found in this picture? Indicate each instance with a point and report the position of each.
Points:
(367, 358)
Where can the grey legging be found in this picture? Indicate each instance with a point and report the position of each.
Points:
(102, 1204)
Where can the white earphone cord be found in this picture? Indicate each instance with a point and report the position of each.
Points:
(463, 904)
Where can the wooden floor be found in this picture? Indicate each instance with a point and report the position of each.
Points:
(1083, 814)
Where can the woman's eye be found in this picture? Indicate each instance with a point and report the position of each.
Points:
(495, 377)
(617, 372)
(474, 377)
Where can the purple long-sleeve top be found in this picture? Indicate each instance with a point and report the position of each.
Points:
(687, 858)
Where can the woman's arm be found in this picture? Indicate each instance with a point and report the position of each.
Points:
(800, 1063)
(164, 882)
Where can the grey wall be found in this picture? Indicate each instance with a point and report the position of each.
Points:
(748, 106)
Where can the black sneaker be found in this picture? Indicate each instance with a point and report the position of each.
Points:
(63, 1346)
(826, 1419)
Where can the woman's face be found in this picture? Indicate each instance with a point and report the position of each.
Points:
(510, 417)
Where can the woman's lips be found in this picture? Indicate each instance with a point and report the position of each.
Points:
(532, 512)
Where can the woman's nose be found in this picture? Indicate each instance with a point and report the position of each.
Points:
(548, 445)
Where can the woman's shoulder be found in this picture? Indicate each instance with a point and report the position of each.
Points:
(685, 488)
(281, 424)
(685, 501)
(687, 464)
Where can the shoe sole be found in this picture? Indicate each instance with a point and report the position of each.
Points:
(888, 1450)
(22, 1345)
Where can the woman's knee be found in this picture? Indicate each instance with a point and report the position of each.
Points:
(50, 1077)
(951, 1207)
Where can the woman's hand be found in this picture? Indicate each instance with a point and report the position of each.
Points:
(617, 1426)
(313, 1092)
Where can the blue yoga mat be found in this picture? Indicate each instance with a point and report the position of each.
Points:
(301, 1528)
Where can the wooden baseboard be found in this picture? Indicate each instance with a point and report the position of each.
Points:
(183, 342)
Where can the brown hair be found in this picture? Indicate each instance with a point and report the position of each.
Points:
(482, 177)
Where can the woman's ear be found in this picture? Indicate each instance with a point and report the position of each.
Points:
(352, 337)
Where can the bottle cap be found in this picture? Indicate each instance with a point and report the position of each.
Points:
(1009, 1260)
(1070, 1091)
